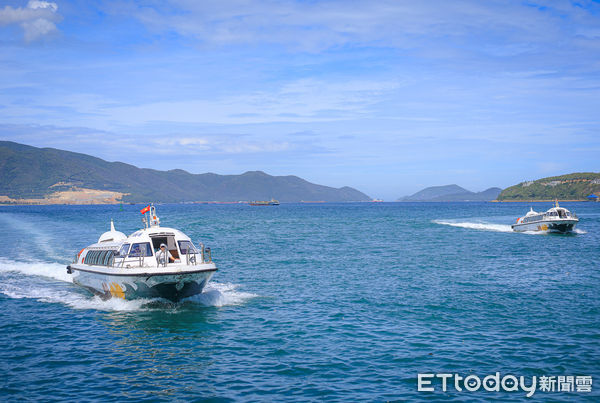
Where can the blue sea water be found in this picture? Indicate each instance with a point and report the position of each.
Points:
(323, 302)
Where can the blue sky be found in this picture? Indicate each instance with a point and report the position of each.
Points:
(384, 96)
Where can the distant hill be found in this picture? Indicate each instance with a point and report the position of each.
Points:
(451, 193)
(575, 186)
(434, 192)
(46, 173)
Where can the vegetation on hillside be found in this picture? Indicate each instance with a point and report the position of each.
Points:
(28, 172)
(575, 186)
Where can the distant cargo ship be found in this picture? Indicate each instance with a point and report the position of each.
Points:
(271, 202)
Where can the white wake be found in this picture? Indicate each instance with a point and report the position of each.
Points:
(57, 271)
(483, 226)
(38, 237)
(221, 294)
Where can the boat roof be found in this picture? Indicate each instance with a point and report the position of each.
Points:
(112, 235)
(114, 239)
(106, 245)
(531, 212)
(145, 234)
(142, 235)
(557, 208)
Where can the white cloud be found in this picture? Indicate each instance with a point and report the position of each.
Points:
(35, 4)
(37, 19)
(221, 143)
(255, 147)
(304, 100)
(191, 141)
(317, 26)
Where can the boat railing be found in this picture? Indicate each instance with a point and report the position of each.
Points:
(191, 256)
(138, 260)
(129, 259)
(203, 252)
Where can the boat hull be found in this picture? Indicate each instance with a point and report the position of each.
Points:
(168, 284)
(561, 226)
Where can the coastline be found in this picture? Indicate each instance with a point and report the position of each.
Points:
(88, 197)
(539, 201)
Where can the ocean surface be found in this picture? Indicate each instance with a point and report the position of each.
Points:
(312, 302)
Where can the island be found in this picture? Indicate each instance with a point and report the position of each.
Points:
(31, 175)
(570, 187)
(451, 193)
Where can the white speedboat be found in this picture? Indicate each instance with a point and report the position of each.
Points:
(556, 219)
(133, 266)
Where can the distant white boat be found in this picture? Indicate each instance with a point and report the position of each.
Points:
(134, 266)
(556, 219)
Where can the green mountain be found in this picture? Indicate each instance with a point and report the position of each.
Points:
(575, 186)
(451, 193)
(31, 173)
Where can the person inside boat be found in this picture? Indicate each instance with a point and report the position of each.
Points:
(163, 253)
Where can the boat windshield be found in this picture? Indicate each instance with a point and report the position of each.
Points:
(123, 251)
(184, 246)
(140, 249)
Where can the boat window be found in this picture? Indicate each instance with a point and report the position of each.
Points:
(184, 246)
(107, 258)
(92, 259)
(123, 251)
(100, 257)
(141, 249)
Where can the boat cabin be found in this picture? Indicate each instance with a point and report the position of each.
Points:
(558, 212)
(141, 248)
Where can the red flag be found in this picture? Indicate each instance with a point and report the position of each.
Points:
(145, 210)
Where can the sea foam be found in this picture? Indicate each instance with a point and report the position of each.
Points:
(57, 271)
(484, 226)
